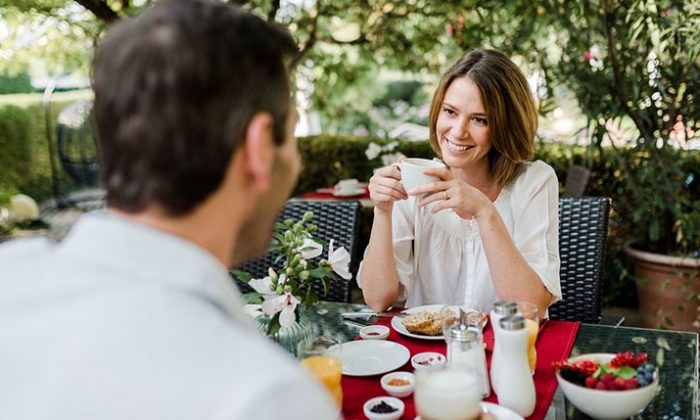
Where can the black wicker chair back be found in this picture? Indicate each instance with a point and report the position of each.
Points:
(336, 220)
(583, 232)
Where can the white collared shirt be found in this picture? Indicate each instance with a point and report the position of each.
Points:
(123, 321)
(440, 258)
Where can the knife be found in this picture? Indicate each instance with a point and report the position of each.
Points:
(372, 314)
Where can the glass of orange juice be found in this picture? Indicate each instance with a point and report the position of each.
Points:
(529, 311)
(322, 357)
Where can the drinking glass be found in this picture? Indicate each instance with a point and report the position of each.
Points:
(450, 393)
(322, 357)
(529, 311)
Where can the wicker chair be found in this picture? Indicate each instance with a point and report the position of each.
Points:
(336, 220)
(583, 231)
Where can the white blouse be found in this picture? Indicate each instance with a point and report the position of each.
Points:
(440, 257)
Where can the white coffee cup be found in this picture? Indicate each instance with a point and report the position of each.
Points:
(412, 172)
(346, 186)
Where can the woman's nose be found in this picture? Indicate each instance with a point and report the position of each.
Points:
(461, 128)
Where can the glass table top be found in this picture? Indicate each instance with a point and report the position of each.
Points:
(675, 353)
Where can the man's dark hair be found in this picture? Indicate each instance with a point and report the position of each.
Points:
(175, 89)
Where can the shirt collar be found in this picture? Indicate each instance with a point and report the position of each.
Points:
(148, 254)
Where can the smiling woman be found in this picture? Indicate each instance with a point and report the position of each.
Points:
(486, 228)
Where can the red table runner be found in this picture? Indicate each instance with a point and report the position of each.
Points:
(554, 344)
(327, 194)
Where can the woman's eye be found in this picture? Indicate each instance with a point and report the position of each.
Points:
(480, 121)
(448, 111)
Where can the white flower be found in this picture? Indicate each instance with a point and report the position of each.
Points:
(391, 158)
(285, 304)
(310, 249)
(373, 150)
(339, 261)
(391, 146)
(262, 286)
(23, 208)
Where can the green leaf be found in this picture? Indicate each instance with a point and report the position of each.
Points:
(274, 324)
(242, 276)
(253, 298)
(626, 372)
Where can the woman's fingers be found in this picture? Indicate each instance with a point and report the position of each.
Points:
(443, 173)
(385, 185)
(430, 188)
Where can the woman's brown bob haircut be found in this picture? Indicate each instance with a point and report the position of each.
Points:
(510, 109)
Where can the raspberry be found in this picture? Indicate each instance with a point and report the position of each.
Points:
(608, 378)
(619, 383)
(601, 386)
(631, 384)
(591, 382)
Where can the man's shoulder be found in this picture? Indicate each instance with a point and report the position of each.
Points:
(17, 250)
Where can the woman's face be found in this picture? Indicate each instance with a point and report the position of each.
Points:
(462, 126)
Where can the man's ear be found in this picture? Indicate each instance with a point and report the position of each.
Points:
(259, 149)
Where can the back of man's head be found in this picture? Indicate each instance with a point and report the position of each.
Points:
(175, 89)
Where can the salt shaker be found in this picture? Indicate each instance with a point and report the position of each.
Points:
(464, 350)
(500, 310)
(513, 337)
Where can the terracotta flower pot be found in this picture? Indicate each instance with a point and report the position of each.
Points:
(668, 289)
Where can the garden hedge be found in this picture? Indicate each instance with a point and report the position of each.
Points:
(24, 154)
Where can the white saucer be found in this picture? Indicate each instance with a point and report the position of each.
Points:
(372, 357)
(499, 412)
(356, 191)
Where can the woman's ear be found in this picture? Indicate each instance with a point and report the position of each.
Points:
(259, 149)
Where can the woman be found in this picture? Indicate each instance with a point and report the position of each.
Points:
(488, 230)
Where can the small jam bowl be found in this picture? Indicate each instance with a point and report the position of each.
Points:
(427, 360)
(400, 391)
(374, 332)
(393, 402)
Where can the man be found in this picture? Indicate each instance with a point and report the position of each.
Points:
(133, 315)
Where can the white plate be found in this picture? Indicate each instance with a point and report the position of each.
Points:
(499, 412)
(398, 326)
(372, 357)
(357, 191)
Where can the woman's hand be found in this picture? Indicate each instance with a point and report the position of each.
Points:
(451, 193)
(385, 188)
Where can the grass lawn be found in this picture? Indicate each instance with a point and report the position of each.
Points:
(24, 100)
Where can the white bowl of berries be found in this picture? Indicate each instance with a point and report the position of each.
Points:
(609, 386)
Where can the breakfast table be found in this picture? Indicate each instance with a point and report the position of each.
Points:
(675, 353)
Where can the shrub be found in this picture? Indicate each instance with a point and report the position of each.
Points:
(15, 146)
(15, 83)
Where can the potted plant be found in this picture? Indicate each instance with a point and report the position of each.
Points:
(638, 65)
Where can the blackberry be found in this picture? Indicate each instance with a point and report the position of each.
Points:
(573, 376)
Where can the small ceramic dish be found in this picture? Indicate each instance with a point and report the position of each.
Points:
(428, 359)
(374, 332)
(394, 403)
(399, 384)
